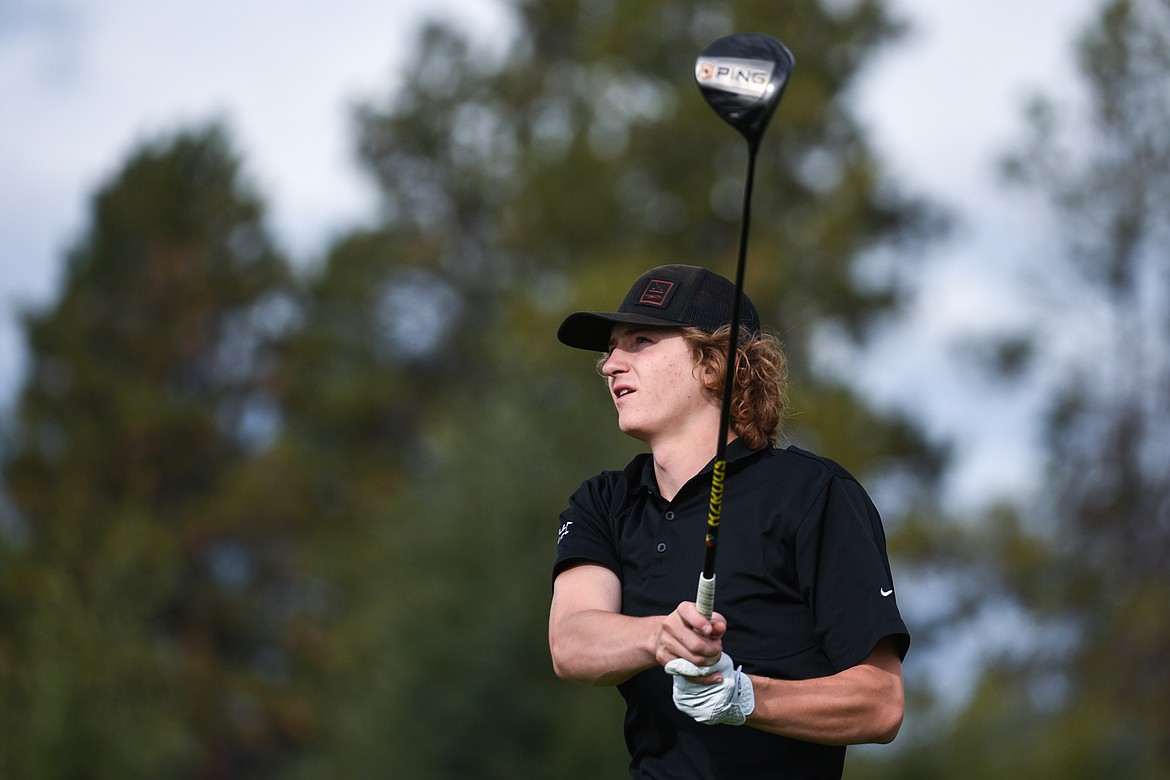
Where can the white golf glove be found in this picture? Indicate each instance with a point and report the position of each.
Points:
(729, 702)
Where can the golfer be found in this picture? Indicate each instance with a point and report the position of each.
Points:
(803, 654)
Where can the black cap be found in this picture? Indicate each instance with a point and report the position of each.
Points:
(674, 296)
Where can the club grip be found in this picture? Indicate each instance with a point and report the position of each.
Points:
(705, 598)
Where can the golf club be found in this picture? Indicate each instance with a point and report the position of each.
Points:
(742, 77)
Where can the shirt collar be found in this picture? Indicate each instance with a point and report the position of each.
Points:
(737, 449)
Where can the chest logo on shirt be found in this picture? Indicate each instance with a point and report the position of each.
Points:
(561, 534)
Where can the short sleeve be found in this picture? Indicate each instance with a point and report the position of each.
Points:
(844, 573)
(585, 531)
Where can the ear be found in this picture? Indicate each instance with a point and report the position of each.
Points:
(706, 375)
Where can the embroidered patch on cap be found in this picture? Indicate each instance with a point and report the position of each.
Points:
(657, 293)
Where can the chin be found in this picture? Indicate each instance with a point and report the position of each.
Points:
(633, 431)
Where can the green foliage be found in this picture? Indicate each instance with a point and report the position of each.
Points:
(304, 527)
(1083, 573)
(132, 608)
(513, 192)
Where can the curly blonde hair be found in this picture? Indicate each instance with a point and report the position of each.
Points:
(759, 400)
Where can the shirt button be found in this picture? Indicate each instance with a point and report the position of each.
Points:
(670, 515)
(662, 547)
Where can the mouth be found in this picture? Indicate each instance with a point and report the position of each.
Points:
(622, 392)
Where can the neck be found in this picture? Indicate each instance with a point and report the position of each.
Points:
(678, 460)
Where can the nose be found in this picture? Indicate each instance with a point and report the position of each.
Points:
(614, 363)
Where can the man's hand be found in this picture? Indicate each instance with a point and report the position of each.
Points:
(686, 633)
(729, 700)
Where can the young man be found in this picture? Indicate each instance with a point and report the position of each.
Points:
(805, 600)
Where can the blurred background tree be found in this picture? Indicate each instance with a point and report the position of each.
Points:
(260, 524)
(1079, 578)
(141, 632)
(515, 190)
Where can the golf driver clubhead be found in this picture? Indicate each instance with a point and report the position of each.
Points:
(743, 77)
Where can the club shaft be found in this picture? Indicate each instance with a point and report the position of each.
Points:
(706, 592)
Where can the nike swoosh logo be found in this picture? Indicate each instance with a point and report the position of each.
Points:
(885, 592)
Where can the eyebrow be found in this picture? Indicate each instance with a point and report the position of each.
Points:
(634, 330)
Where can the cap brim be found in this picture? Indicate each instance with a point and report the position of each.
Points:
(591, 329)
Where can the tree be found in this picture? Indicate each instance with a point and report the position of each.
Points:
(138, 631)
(303, 528)
(1083, 571)
(516, 186)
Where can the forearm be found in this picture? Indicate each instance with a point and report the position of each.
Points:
(859, 705)
(602, 648)
(591, 641)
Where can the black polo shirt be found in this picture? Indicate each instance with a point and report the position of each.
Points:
(802, 578)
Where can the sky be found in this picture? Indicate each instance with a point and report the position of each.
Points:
(82, 82)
